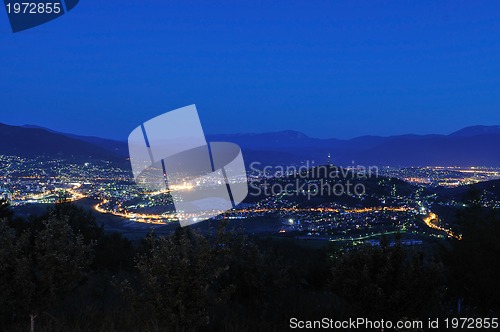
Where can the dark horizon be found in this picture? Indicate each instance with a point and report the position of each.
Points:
(31, 125)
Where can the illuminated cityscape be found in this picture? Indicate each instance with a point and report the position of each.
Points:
(249, 166)
(45, 180)
(439, 176)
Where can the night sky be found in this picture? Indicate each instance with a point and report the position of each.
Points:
(326, 68)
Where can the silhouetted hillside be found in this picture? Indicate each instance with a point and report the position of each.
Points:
(477, 130)
(471, 146)
(432, 150)
(491, 187)
(326, 184)
(118, 147)
(30, 142)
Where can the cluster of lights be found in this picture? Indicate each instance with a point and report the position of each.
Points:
(431, 221)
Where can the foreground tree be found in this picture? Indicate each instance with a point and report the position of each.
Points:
(387, 281)
(40, 268)
(176, 275)
(5, 211)
(473, 261)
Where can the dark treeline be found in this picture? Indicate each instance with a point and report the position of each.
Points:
(61, 272)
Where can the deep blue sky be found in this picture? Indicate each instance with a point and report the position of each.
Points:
(326, 68)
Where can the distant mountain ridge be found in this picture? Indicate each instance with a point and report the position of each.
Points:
(470, 146)
(118, 147)
(28, 142)
(477, 130)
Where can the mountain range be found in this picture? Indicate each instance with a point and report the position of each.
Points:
(30, 141)
(471, 146)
